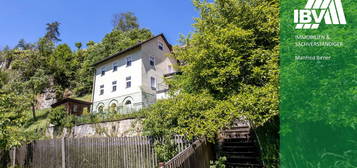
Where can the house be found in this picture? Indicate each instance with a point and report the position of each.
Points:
(133, 78)
(73, 106)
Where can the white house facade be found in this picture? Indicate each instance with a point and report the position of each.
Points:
(133, 78)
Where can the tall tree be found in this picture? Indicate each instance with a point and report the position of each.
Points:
(232, 58)
(23, 45)
(125, 21)
(53, 33)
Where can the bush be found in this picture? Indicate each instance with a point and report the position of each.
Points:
(218, 163)
(56, 116)
(165, 149)
(186, 114)
(59, 117)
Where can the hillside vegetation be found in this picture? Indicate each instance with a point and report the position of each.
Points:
(47, 65)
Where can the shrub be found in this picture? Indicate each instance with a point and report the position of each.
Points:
(218, 163)
(59, 117)
(56, 115)
(165, 149)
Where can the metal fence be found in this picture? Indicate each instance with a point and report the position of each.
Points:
(196, 155)
(108, 152)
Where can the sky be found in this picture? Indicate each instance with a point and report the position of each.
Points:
(84, 20)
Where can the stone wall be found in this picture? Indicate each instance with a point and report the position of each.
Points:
(122, 128)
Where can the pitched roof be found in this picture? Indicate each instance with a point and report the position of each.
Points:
(133, 47)
(70, 100)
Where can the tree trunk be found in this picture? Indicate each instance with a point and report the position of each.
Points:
(33, 111)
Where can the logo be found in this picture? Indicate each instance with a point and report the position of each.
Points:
(316, 11)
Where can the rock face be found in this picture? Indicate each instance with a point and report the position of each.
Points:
(46, 99)
(122, 128)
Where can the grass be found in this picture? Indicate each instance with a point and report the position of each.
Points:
(87, 97)
(36, 128)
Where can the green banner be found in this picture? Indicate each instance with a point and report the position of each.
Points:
(318, 83)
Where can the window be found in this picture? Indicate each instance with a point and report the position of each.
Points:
(113, 107)
(153, 83)
(75, 108)
(103, 71)
(128, 81)
(128, 61)
(101, 89)
(152, 61)
(115, 67)
(114, 86)
(161, 46)
(128, 104)
(169, 69)
(101, 109)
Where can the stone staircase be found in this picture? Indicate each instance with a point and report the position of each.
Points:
(238, 144)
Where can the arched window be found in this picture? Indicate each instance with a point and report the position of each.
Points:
(100, 108)
(128, 104)
(113, 108)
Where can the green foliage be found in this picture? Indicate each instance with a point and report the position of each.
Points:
(59, 117)
(165, 149)
(53, 33)
(218, 163)
(125, 21)
(186, 114)
(12, 118)
(105, 117)
(229, 70)
(4, 78)
(269, 139)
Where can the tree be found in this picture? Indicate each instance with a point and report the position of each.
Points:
(23, 45)
(232, 58)
(62, 65)
(12, 118)
(125, 21)
(53, 33)
(78, 45)
(34, 86)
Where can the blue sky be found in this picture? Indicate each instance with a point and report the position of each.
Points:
(84, 20)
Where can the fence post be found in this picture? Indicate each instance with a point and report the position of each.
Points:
(161, 164)
(63, 152)
(14, 157)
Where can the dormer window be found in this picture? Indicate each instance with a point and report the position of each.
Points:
(115, 67)
(128, 61)
(161, 46)
(152, 61)
(101, 90)
(128, 81)
(102, 71)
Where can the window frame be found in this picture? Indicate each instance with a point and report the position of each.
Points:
(153, 83)
(114, 85)
(129, 61)
(102, 71)
(160, 46)
(128, 82)
(152, 60)
(115, 66)
(101, 90)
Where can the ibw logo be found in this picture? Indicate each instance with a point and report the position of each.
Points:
(331, 11)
